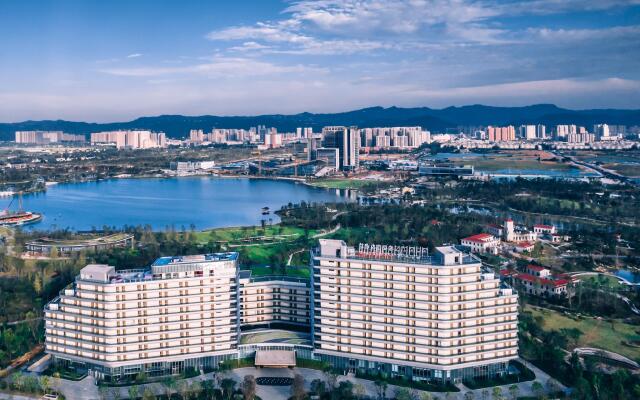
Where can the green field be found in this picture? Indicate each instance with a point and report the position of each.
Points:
(252, 234)
(630, 170)
(265, 251)
(490, 164)
(596, 333)
(341, 183)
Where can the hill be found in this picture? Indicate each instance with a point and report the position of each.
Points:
(436, 120)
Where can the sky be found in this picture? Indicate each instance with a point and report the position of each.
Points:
(118, 60)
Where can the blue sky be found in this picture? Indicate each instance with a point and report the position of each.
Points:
(117, 60)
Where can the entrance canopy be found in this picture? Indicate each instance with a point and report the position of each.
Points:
(275, 358)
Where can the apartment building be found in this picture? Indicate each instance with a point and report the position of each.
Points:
(405, 312)
(180, 312)
(274, 302)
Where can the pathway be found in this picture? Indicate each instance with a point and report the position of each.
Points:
(87, 390)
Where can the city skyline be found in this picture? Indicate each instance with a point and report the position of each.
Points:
(117, 61)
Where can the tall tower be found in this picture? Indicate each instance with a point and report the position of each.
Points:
(508, 230)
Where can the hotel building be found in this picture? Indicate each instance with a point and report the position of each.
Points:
(397, 310)
(404, 312)
(274, 302)
(180, 312)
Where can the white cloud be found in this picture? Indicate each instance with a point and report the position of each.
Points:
(134, 55)
(226, 67)
(615, 32)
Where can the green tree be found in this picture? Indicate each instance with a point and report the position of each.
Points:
(148, 395)
(228, 387)
(133, 392)
(513, 392)
(537, 389)
(249, 387)
(297, 388)
(169, 384)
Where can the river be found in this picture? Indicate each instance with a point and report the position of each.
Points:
(205, 202)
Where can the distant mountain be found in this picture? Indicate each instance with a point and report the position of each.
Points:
(436, 120)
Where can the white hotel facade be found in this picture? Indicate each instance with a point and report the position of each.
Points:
(432, 317)
(407, 313)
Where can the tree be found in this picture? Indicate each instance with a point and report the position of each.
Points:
(497, 393)
(169, 384)
(148, 395)
(45, 383)
(196, 389)
(537, 389)
(403, 393)
(249, 387)
(552, 386)
(133, 392)
(228, 387)
(359, 390)
(469, 396)
(318, 387)
(426, 396)
(183, 388)
(381, 388)
(332, 380)
(297, 387)
(513, 391)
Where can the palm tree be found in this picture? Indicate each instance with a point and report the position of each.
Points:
(169, 384)
(133, 392)
(513, 391)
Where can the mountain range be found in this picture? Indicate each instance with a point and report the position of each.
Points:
(435, 120)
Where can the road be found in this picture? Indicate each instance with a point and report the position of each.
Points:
(86, 389)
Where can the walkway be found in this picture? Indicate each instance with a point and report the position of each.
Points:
(86, 389)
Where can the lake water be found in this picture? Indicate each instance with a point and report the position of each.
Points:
(205, 202)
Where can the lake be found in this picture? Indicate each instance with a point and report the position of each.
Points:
(206, 202)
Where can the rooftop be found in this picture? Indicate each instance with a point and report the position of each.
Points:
(389, 253)
(479, 238)
(198, 258)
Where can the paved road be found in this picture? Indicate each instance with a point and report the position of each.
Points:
(7, 396)
(86, 389)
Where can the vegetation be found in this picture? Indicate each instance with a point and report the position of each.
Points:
(569, 331)
(546, 350)
(525, 374)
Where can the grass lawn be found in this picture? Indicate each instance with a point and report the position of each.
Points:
(252, 234)
(341, 183)
(630, 170)
(515, 163)
(596, 333)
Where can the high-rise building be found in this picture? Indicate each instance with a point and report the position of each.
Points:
(47, 137)
(501, 134)
(196, 135)
(528, 132)
(308, 132)
(403, 311)
(329, 156)
(391, 309)
(180, 312)
(541, 131)
(602, 132)
(134, 139)
(347, 141)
